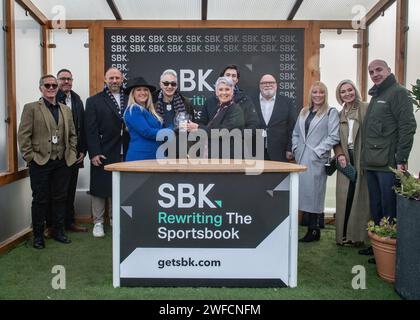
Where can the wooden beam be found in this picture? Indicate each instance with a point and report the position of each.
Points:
(46, 52)
(114, 9)
(311, 58)
(14, 176)
(377, 10)
(401, 40)
(96, 58)
(335, 24)
(75, 24)
(295, 9)
(362, 62)
(34, 11)
(13, 241)
(204, 8)
(11, 87)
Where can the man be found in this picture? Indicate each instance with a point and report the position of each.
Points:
(388, 134)
(107, 142)
(239, 97)
(47, 140)
(277, 117)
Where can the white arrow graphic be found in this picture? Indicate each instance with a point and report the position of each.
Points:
(128, 210)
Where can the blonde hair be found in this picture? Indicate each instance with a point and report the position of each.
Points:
(324, 107)
(358, 97)
(149, 104)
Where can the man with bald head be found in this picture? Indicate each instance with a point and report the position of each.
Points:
(388, 134)
(107, 142)
(277, 117)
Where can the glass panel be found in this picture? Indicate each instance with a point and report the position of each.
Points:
(28, 66)
(338, 61)
(3, 111)
(413, 73)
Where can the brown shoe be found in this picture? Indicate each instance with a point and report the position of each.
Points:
(48, 233)
(75, 228)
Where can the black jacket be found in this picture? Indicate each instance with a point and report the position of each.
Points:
(280, 127)
(103, 135)
(78, 112)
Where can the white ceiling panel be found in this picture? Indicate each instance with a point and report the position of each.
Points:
(334, 9)
(249, 9)
(75, 9)
(159, 9)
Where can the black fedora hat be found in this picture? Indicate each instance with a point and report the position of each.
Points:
(138, 82)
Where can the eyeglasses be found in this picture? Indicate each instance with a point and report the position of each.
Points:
(65, 79)
(268, 83)
(167, 83)
(50, 85)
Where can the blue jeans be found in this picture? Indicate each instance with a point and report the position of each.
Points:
(381, 195)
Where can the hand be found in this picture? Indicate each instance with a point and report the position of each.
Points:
(191, 126)
(342, 160)
(402, 167)
(289, 155)
(81, 157)
(96, 160)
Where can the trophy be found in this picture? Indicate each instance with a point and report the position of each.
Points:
(181, 120)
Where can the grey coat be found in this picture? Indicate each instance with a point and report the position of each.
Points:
(313, 151)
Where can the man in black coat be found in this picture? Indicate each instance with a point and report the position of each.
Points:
(277, 117)
(70, 98)
(107, 142)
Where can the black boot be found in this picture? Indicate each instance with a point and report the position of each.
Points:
(321, 221)
(305, 219)
(38, 242)
(311, 235)
(61, 237)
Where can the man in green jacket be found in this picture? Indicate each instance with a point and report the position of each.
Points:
(388, 134)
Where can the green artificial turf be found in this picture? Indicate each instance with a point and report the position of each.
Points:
(324, 272)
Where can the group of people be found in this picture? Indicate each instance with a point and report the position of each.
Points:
(122, 124)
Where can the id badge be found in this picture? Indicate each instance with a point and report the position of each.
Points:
(168, 107)
(54, 139)
(264, 133)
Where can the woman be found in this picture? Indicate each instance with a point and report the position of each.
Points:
(352, 200)
(229, 115)
(315, 134)
(143, 122)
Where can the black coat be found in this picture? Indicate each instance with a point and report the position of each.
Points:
(103, 135)
(78, 112)
(279, 128)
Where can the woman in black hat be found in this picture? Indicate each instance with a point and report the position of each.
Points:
(142, 120)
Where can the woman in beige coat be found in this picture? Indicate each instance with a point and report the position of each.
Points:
(352, 200)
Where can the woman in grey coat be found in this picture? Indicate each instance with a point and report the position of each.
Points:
(316, 132)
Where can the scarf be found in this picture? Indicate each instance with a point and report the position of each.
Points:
(177, 104)
(221, 106)
(120, 107)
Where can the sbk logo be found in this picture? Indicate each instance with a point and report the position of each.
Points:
(186, 196)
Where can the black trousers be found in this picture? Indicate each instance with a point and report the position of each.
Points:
(49, 184)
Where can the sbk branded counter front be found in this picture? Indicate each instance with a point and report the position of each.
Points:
(214, 224)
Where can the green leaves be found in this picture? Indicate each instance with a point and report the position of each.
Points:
(385, 229)
(409, 185)
(415, 94)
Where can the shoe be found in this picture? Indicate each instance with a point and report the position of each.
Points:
(98, 230)
(48, 233)
(367, 252)
(61, 237)
(311, 235)
(75, 228)
(38, 243)
(372, 260)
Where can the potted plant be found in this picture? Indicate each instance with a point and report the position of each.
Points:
(384, 243)
(415, 94)
(407, 283)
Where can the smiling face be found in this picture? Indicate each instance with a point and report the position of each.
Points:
(168, 84)
(65, 81)
(114, 80)
(268, 86)
(141, 95)
(347, 93)
(378, 71)
(224, 93)
(318, 96)
(49, 88)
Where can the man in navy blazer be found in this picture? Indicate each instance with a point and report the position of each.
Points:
(277, 115)
(107, 142)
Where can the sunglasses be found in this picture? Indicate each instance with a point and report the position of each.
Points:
(50, 85)
(65, 79)
(167, 83)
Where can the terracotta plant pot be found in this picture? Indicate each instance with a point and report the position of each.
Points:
(384, 250)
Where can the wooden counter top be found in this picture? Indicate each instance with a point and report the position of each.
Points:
(206, 165)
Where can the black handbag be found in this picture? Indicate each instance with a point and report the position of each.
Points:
(331, 166)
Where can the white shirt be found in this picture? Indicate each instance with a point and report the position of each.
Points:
(350, 138)
(68, 100)
(267, 107)
(117, 98)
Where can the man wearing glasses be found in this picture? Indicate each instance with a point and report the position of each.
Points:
(47, 141)
(277, 117)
